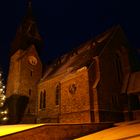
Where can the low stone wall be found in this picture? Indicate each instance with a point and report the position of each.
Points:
(136, 115)
(57, 131)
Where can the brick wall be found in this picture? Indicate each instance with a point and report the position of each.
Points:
(112, 80)
(51, 111)
(75, 105)
(24, 77)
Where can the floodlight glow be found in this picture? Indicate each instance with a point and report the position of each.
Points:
(5, 119)
(1, 104)
(6, 111)
(10, 129)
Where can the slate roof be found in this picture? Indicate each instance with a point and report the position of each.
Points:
(79, 57)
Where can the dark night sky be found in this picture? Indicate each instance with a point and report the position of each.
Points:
(64, 24)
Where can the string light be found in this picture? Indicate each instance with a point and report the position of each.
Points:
(3, 108)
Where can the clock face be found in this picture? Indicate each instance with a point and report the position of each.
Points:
(32, 60)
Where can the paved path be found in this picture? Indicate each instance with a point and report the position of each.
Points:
(122, 131)
(10, 129)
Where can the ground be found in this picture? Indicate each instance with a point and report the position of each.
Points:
(10, 129)
(122, 131)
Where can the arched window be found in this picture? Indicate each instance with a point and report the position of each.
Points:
(119, 68)
(29, 111)
(41, 95)
(57, 94)
(44, 99)
(30, 92)
(31, 73)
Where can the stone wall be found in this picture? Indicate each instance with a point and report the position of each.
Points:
(136, 115)
(51, 111)
(75, 102)
(14, 74)
(114, 68)
(29, 78)
(57, 132)
(23, 78)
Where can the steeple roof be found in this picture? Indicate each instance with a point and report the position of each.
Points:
(29, 11)
(27, 33)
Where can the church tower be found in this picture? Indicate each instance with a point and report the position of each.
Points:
(25, 68)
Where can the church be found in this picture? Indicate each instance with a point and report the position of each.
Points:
(88, 84)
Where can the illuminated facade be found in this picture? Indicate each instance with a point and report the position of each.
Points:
(85, 85)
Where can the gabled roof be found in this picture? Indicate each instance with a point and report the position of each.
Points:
(81, 56)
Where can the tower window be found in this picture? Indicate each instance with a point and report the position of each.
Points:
(29, 110)
(44, 99)
(57, 94)
(41, 94)
(30, 92)
(31, 73)
(118, 68)
(115, 101)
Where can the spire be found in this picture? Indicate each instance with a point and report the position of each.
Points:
(29, 3)
(29, 10)
(27, 33)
